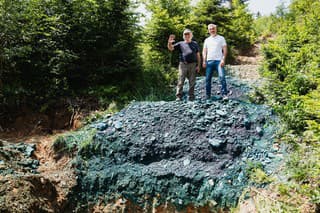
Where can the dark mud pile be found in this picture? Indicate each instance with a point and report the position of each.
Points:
(177, 152)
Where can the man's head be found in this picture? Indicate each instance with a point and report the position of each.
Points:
(212, 28)
(187, 35)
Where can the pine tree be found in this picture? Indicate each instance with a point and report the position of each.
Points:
(234, 23)
(241, 32)
(168, 17)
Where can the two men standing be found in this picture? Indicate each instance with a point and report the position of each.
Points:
(214, 54)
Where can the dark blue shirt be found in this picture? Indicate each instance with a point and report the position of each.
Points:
(187, 51)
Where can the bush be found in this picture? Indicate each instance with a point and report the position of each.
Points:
(53, 48)
(291, 66)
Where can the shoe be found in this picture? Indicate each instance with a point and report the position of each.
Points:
(178, 99)
(216, 98)
(191, 99)
(225, 97)
(208, 101)
(218, 92)
(230, 92)
(208, 97)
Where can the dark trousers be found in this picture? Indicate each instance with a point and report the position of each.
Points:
(186, 71)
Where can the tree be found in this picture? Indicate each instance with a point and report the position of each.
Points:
(168, 17)
(241, 32)
(292, 62)
(52, 48)
(32, 51)
(234, 23)
(206, 12)
(291, 67)
(104, 35)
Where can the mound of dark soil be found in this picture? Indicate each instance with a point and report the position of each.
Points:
(177, 152)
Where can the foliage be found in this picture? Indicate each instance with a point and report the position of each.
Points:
(267, 26)
(235, 23)
(30, 50)
(241, 34)
(291, 66)
(171, 17)
(256, 173)
(52, 48)
(156, 82)
(55, 48)
(206, 12)
(69, 143)
(168, 17)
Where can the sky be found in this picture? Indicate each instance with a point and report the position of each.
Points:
(265, 7)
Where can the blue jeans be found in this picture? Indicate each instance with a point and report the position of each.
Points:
(215, 65)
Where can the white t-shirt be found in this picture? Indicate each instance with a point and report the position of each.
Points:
(214, 47)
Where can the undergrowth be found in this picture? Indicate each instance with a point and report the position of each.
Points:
(291, 67)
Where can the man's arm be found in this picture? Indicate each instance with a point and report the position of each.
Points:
(225, 52)
(170, 46)
(170, 41)
(204, 57)
(198, 61)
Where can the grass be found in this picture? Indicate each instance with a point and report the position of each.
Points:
(69, 143)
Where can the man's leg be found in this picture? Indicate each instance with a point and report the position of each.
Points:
(209, 72)
(222, 79)
(192, 80)
(181, 79)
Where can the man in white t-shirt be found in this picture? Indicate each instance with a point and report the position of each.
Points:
(214, 54)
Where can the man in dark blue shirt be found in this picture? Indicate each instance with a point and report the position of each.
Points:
(189, 57)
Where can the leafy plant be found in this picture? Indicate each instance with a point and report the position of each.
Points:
(53, 48)
(291, 66)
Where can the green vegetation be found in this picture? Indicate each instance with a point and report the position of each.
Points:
(291, 67)
(71, 143)
(234, 23)
(256, 173)
(267, 26)
(168, 17)
(53, 49)
(171, 17)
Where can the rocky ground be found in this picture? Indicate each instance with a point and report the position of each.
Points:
(151, 156)
(31, 180)
(22, 188)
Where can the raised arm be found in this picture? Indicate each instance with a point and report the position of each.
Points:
(170, 41)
